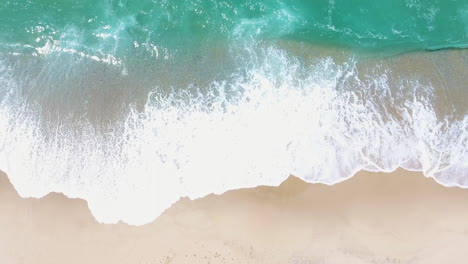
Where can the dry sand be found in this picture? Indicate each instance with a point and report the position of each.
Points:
(401, 217)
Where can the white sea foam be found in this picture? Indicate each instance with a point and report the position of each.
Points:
(322, 123)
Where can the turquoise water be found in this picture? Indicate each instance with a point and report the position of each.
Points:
(119, 28)
(134, 104)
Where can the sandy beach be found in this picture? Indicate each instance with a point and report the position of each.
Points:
(399, 217)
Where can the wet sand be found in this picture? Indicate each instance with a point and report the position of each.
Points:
(400, 217)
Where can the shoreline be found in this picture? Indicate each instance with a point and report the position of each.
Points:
(398, 217)
(323, 129)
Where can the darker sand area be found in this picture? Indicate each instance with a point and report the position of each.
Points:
(400, 217)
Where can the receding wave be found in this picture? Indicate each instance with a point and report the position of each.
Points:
(276, 114)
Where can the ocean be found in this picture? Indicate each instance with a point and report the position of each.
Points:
(132, 105)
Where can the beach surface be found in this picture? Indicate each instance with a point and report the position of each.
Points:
(398, 217)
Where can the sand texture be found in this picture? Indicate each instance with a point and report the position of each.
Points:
(400, 217)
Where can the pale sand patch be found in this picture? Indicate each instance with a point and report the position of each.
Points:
(401, 217)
